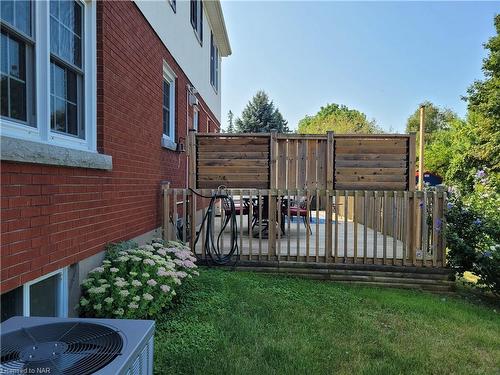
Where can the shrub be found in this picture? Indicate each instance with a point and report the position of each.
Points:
(473, 232)
(136, 282)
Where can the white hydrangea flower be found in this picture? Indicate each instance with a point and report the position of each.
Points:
(114, 270)
(98, 270)
(152, 282)
(147, 296)
(136, 283)
(165, 288)
(133, 305)
(136, 298)
(109, 300)
(124, 293)
(119, 311)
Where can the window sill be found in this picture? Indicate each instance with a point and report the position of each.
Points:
(168, 144)
(24, 151)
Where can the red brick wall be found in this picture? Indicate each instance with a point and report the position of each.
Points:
(55, 216)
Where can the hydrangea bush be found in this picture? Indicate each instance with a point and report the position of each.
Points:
(136, 282)
(473, 231)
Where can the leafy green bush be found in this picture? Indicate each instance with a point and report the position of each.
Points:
(136, 282)
(473, 232)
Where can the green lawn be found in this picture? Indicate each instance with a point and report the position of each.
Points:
(244, 323)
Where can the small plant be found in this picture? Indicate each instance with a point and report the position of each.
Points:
(136, 282)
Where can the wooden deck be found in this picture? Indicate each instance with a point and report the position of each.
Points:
(353, 246)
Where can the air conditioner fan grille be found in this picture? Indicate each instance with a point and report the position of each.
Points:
(75, 348)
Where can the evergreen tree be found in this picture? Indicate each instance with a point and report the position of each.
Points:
(230, 117)
(261, 116)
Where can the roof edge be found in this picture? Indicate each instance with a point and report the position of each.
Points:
(214, 13)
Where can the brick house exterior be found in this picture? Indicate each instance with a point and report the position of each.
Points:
(57, 216)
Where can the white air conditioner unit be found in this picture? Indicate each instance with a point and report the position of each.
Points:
(38, 345)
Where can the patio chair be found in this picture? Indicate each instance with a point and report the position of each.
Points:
(240, 208)
(298, 209)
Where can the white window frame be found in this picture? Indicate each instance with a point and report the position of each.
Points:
(214, 63)
(62, 292)
(170, 76)
(196, 117)
(42, 132)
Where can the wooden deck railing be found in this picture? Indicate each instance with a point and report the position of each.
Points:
(403, 228)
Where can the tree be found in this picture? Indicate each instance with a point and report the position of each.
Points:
(436, 119)
(484, 103)
(230, 127)
(437, 124)
(261, 116)
(337, 118)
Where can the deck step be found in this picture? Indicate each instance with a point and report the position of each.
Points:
(419, 278)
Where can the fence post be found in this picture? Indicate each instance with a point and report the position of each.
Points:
(329, 160)
(271, 224)
(273, 145)
(192, 158)
(411, 161)
(165, 186)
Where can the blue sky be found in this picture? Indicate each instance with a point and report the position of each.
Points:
(380, 58)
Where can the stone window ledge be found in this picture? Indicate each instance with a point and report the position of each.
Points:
(24, 151)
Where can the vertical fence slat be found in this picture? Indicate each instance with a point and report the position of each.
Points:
(365, 227)
(176, 217)
(166, 214)
(346, 224)
(376, 216)
(297, 218)
(434, 228)
(271, 225)
(336, 244)
(279, 213)
(355, 225)
(192, 215)
(328, 226)
(425, 228)
(242, 206)
(308, 236)
(385, 216)
(395, 229)
(250, 222)
(443, 228)
(203, 229)
(259, 202)
(317, 224)
(288, 223)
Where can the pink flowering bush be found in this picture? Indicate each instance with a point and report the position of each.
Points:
(136, 282)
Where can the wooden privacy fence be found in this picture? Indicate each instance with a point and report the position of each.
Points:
(288, 161)
(276, 232)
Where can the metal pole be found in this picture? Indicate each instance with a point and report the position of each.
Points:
(421, 155)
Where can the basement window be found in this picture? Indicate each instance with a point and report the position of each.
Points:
(45, 296)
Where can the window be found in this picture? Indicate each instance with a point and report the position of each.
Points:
(66, 76)
(173, 5)
(197, 18)
(17, 62)
(168, 106)
(45, 296)
(196, 114)
(214, 63)
(56, 102)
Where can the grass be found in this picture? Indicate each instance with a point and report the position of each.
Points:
(244, 323)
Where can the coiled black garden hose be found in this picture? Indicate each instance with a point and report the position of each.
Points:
(213, 249)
